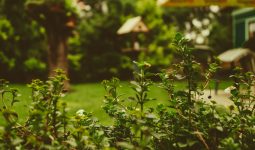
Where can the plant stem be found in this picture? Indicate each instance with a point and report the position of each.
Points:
(54, 117)
(189, 99)
(64, 122)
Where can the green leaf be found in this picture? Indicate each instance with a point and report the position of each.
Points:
(219, 128)
(125, 145)
(182, 145)
(178, 37)
(14, 101)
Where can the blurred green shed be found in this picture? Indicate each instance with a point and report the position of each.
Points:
(243, 25)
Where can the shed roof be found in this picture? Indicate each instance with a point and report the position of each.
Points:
(233, 55)
(133, 25)
(242, 11)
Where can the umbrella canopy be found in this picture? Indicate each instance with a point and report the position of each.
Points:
(196, 3)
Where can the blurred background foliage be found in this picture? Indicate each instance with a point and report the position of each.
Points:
(21, 41)
(95, 48)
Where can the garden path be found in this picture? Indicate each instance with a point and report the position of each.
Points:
(221, 97)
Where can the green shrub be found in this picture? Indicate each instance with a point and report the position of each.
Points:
(186, 122)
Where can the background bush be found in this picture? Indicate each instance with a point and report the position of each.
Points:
(95, 42)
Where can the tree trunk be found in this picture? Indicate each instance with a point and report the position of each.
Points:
(57, 55)
(59, 27)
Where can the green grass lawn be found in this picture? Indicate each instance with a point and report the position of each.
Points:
(89, 96)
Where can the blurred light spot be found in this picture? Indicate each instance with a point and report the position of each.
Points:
(200, 39)
(193, 35)
(196, 23)
(188, 36)
(187, 25)
(205, 32)
(206, 22)
(214, 8)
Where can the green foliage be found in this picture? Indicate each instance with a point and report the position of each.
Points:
(33, 64)
(6, 32)
(6, 29)
(159, 51)
(74, 61)
(100, 46)
(221, 35)
(95, 42)
(186, 122)
(71, 7)
(20, 40)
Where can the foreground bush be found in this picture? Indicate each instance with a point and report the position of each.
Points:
(186, 122)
